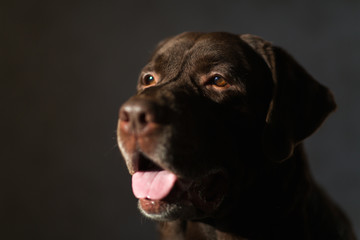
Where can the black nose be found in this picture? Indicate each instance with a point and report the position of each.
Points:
(137, 114)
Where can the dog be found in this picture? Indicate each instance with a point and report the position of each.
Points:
(213, 141)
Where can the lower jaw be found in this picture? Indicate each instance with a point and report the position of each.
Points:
(159, 210)
(152, 206)
(169, 208)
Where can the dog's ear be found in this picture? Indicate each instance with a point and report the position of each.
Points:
(299, 105)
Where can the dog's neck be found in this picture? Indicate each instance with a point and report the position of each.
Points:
(276, 201)
(275, 205)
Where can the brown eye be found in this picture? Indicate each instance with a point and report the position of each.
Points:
(148, 80)
(219, 81)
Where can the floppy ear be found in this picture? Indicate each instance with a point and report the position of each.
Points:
(299, 105)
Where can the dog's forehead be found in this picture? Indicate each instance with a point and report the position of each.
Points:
(201, 44)
(197, 48)
(186, 41)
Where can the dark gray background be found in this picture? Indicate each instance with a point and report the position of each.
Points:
(67, 67)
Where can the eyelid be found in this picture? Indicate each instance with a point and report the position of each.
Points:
(208, 79)
(155, 79)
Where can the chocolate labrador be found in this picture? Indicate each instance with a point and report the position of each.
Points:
(213, 141)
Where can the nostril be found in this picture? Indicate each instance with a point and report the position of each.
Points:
(143, 119)
(124, 115)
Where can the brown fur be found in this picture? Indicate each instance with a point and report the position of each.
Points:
(238, 146)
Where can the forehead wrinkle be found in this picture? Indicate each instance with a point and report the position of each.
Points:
(224, 55)
(169, 60)
(217, 51)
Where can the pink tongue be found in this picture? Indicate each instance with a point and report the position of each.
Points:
(154, 185)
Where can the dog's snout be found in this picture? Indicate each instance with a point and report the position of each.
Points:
(136, 115)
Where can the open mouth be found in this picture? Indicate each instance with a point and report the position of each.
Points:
(153, 184)
(156, 188)
(150, 181)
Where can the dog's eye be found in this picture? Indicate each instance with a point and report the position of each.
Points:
(219, 81)
(148, 80)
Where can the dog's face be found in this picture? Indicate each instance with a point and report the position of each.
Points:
(193, 135)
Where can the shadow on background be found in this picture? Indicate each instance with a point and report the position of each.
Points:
(66, 69)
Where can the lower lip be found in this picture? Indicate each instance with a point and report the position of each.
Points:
(151, 206)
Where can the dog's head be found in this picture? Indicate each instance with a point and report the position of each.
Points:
(212, 109)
